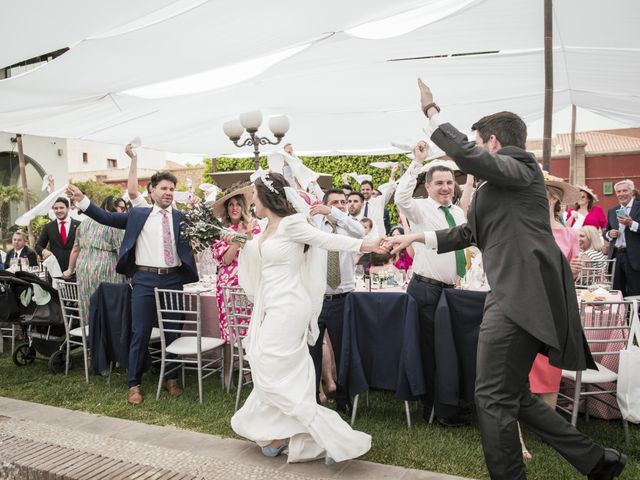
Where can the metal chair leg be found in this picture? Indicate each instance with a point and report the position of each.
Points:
(161, 377)
(199, 379)
(407, 410)
(432, 416)
(625, 427)
(109, 376)
(576, 399)
(355, 409)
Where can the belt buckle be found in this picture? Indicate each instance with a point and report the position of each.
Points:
(163, 271)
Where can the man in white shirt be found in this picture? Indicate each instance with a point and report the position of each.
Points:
(331, 216)
(354, 205)
(59, 235)
(431, 272)
(373, 207)
(154, 255)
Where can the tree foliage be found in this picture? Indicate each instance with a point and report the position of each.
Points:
(335, 166)
(98, 191)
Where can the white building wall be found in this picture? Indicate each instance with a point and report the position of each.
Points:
(98, 153)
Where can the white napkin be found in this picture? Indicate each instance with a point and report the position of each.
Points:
(42, 208)
(136, 142)
(600, 291)
(382, 164)
(52, 266)
(210, 191)
(360, 178)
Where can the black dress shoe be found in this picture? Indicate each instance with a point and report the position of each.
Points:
(610, 465)
(344, 407)
(454, 421)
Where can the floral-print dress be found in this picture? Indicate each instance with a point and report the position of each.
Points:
(227, 277)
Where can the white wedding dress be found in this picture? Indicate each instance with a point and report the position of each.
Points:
(287, 286)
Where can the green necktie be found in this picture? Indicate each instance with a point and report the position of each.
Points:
(461, 260)
(333, 266)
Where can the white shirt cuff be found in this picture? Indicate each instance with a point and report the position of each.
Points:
(338, 214)
(431, 241)
(84, 203)
(634, 226)
(435, 121)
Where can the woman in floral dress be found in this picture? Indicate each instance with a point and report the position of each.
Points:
(95, 254)
(233, 210)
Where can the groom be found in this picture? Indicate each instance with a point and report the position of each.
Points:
(532, 306)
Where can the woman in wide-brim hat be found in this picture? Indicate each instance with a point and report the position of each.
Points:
(584, 212)
(544, 378)
(233, 209)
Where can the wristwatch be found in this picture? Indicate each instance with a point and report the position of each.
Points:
(427, 107)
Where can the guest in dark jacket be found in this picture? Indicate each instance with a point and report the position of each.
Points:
(20, 250)
(59, 235)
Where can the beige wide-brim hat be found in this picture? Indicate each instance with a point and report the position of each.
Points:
(588, 191)
(571, 194)
(218, 205)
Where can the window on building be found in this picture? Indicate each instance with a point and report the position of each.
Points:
(85, 157)
(112, 163)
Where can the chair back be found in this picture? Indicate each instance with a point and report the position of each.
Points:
(597, 273)
(72, 313)
(607, 326)
(179, 314)
(237, 307)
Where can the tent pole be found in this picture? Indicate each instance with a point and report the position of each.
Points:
(572, 155)
(548, 84)
(25, 188)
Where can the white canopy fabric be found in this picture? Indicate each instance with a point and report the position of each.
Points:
(344, 91)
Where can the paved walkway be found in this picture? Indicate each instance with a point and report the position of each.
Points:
(78, 445)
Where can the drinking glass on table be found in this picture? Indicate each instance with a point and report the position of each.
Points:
(360, 276)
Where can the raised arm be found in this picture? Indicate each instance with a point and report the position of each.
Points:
(111, 219)
(132, 179)
(404, 200)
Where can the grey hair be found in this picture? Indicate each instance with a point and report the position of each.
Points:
(22, 234)
(626, 181)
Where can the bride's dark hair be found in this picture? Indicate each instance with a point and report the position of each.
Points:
(275, 201)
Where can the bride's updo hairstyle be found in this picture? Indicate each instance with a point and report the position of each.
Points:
(273, 196)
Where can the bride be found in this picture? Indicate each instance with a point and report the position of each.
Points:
(281, 271)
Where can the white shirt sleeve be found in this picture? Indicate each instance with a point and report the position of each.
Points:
(431, 241)
(84, 203)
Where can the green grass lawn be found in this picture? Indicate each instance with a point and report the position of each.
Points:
(426, 447)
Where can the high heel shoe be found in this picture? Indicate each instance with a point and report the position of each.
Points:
(269, 451)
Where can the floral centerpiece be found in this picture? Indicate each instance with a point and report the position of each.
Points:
(201, 228)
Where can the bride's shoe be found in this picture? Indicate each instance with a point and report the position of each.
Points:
(269, 451)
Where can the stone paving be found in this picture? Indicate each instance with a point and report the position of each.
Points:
(191, 454)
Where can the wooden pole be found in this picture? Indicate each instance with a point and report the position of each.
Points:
(25, 187)
(548, 84)
(572, 154)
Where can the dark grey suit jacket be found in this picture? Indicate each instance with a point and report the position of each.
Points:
(508, 221)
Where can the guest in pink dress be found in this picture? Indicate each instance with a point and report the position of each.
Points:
(404, 259)
(585, 212)
(544, 378)
(233, 210)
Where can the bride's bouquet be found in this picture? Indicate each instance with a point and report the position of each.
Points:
(201, 228)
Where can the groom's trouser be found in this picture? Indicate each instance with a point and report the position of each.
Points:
(505, 355)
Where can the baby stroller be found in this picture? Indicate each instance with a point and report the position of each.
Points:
(33, 305)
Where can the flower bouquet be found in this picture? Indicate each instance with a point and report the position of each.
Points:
(201, 228)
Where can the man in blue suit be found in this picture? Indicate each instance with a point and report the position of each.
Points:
(624, 239)
(154, 256)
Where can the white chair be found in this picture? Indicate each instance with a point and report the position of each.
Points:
(606, 326)
(76, 328)
(177, 309)
(598, 273)
(238, 310)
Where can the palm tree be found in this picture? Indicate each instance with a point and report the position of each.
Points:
(8, 195)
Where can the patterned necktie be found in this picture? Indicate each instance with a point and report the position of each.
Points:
(333, 266)
(461, 260)
(166, 239)
(63, 232)
(366, 209)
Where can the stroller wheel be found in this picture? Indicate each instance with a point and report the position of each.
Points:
(23, 355)
(57, 362)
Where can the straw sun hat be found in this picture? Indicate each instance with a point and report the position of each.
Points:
(588, 191)
(243, 188)
(571, 194)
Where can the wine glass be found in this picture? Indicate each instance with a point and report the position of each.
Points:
(360, 275)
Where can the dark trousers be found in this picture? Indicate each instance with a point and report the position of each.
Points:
(626, 279)
(331, 320)
(505, 355)
(427, 296)
(144, 318)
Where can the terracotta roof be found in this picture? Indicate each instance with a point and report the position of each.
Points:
(596, 142)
